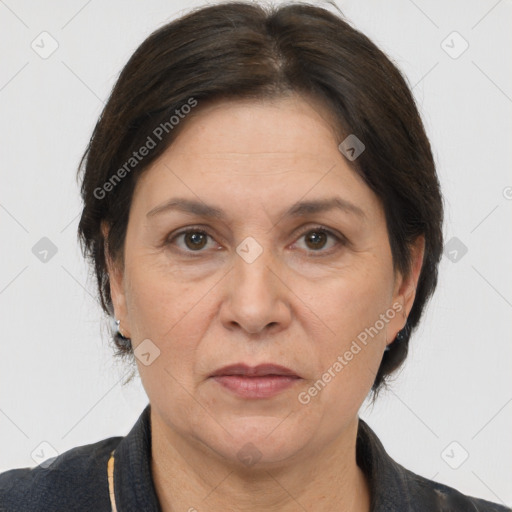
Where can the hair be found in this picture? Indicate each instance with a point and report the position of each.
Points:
(239, 50)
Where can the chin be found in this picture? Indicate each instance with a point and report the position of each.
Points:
(259, 442)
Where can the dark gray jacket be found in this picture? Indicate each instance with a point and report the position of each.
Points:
(77, 480)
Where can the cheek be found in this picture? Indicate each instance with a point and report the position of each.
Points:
(349, 351)
(173, 314)
(351, 307)
(353, 300)
(158, 301)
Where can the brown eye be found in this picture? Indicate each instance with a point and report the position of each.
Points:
(320, 241)
(195, 240)
(316, 239)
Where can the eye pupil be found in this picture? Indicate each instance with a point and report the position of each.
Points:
(195, 240)
(316, 239)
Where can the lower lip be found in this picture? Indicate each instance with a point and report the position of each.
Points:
(256, 387)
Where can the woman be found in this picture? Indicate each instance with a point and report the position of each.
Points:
(263, 214)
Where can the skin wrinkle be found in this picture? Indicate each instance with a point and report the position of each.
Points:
(285, 307)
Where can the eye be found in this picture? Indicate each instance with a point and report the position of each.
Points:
(191, 240)
(320, 239)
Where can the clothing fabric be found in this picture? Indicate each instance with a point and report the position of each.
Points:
(77, 480)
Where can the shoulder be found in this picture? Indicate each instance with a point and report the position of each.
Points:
(76, 476)
(395, 487)
(432, 496)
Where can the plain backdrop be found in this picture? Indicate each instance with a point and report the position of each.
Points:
(448, 415)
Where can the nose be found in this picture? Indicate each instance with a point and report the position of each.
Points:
(257, 299)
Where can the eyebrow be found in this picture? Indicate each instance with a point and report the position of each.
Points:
(323, 205)
(188, 206)
(297, 210)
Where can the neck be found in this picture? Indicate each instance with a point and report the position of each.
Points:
(188, 476)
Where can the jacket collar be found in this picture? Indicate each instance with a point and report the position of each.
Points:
(135, 491)
(388, 480)
(133, 484)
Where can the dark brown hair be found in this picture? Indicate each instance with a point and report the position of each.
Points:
(242, 50)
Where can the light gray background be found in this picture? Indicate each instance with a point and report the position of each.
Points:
(58, 381)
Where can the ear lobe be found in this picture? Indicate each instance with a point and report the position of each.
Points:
(409, 286)
(116, 280)
(405, 290)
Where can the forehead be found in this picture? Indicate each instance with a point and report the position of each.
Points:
(283, 125)
(264, 151)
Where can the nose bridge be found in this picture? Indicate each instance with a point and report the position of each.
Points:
(252, 266)
(256, 298)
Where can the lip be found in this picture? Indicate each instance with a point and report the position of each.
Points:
(261, 370)
(255, 382)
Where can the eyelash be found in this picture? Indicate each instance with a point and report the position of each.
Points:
(339, 239)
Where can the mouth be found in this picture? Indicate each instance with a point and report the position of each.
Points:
(256, 382)
(262, 370)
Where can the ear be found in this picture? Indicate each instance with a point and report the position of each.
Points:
(117, 287)
(405, 290)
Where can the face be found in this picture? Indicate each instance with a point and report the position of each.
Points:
(252, 242)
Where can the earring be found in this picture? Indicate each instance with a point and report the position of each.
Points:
(400, 336)
(123, 340)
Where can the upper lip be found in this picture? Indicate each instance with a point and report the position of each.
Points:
(254, 371)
